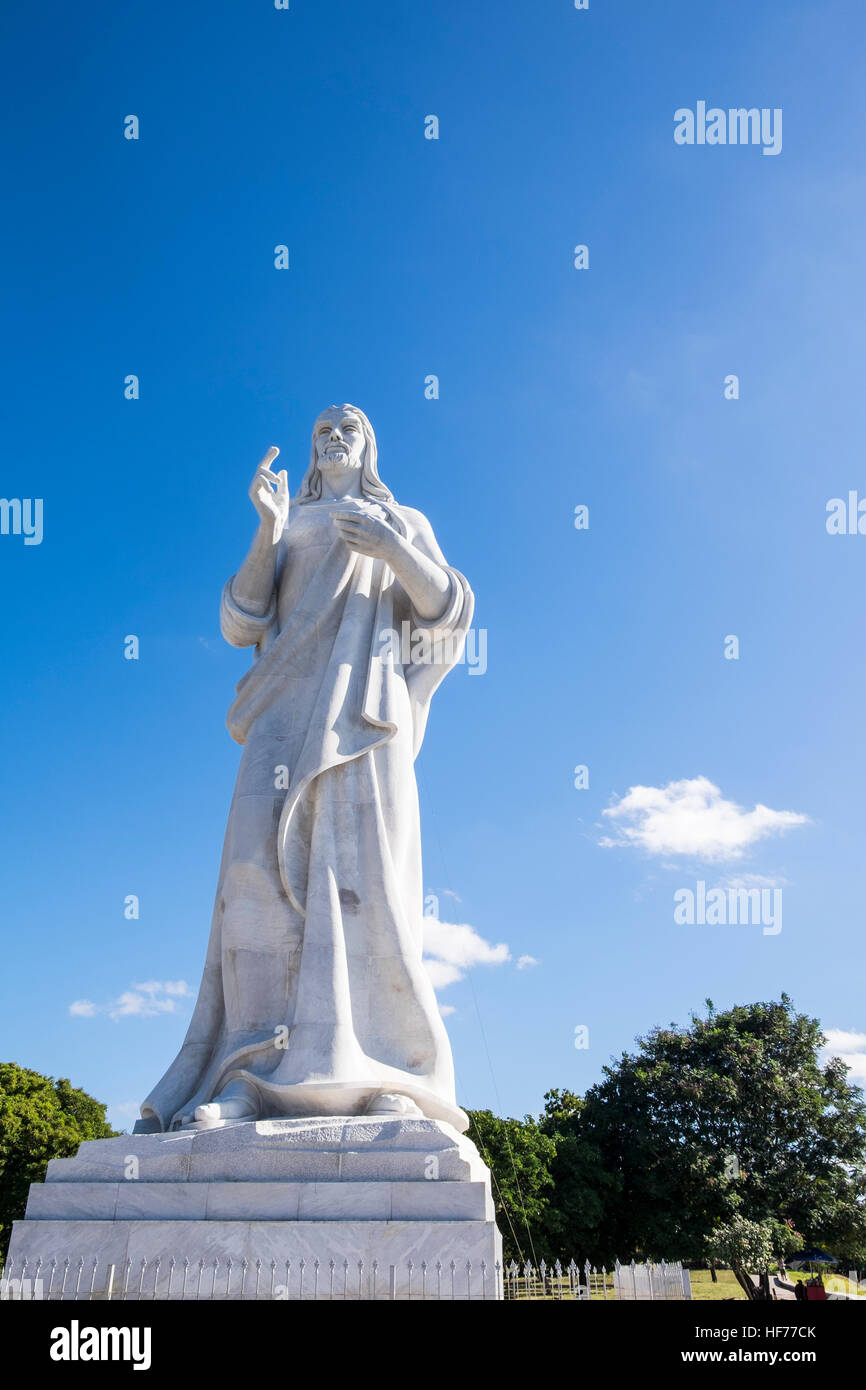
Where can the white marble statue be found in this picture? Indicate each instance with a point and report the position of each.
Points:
(314, 1000)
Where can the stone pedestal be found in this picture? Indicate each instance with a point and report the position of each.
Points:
(358, 1207)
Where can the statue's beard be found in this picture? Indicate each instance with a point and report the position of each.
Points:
(339, 464)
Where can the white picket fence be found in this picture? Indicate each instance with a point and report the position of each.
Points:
(178, 1280)
(75, 1280)
(664, 1281)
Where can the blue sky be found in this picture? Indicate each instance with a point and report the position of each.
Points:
(558, 387)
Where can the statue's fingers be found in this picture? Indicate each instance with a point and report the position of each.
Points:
(269, 457)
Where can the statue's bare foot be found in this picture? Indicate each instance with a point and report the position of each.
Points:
(392, 1103)
(236, 1102)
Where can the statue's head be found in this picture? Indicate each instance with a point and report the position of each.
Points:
(343, 442)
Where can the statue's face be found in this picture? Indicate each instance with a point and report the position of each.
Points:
(339, 442)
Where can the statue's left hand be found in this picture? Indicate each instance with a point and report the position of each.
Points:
(367, 535)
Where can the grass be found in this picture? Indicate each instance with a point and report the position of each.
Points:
(703, 1288)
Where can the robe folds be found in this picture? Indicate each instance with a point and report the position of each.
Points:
(313, 991)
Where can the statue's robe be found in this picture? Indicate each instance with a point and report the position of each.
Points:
(314, 992)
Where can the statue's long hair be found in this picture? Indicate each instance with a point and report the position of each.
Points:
(371, 484)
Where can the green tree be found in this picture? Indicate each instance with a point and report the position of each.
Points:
(40, 1119)
(583, 1187)
(731, 1116)
(519, 1156)
(751, 1246)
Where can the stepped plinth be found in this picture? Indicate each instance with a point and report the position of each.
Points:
(339, 1207)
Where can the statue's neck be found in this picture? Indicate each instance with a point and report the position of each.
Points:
(336, 489)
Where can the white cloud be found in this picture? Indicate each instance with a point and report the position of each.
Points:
(141, 1001)
(754, 881)
(526, 962)
(171, 987)
(851, 1047)
(842, 1037)
(442, 974)
(452, 948)
(691, 817)
(446, 1010)
(82, 1008)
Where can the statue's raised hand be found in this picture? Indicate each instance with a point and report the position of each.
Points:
(269, 493)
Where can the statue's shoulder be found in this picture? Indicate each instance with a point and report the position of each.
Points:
(419, 532)
(416, 522)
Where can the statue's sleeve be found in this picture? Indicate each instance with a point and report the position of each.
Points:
(240, 628)
(455, 607)
(441, 643)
